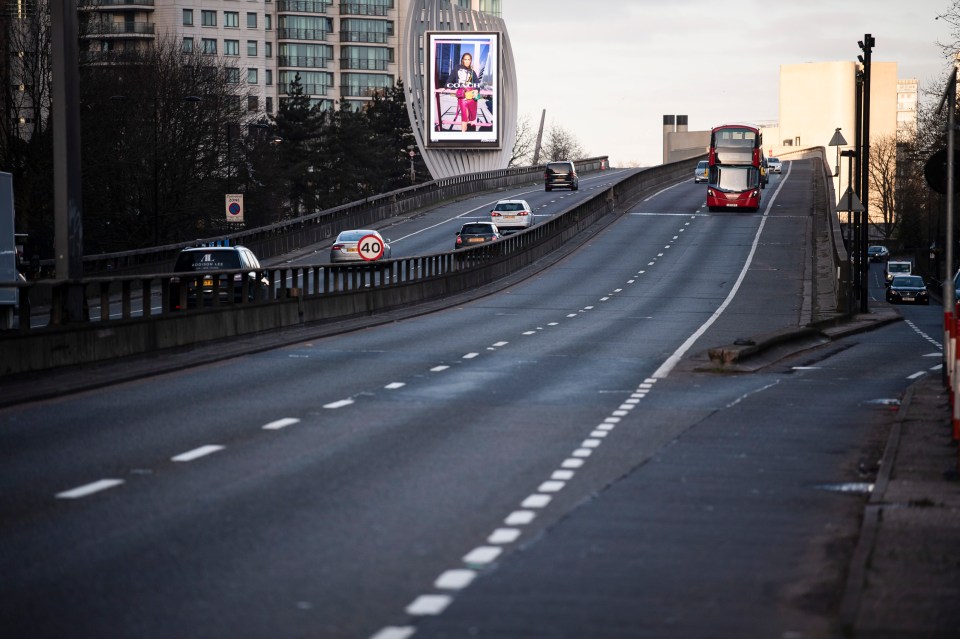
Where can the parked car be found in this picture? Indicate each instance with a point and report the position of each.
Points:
(473, 233)
(700, 173)
(345, 249)
(512, 215)
(561, 175)
(897, 267)
(775, 165)
(208, 260)
(878, 253)
(908, 289)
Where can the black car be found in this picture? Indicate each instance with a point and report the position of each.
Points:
(908, 289)
(208, 262)
(473, 233)
(878, 253)
(561, 175)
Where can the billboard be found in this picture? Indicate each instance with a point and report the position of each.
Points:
(463, 99)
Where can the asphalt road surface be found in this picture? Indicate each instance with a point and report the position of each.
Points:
(547, 461)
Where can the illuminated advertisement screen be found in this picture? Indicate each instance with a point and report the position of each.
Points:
(462, 89)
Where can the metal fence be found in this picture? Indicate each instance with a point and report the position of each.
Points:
(121, 309)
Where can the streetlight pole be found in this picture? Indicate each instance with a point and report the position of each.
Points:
(867, 45)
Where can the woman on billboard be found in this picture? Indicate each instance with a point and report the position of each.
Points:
(465, 79)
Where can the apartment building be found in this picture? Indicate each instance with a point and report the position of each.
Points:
(342, 51)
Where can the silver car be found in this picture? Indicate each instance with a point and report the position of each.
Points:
(346, 247)
(775, 165)
(510, 215)
(701, 172)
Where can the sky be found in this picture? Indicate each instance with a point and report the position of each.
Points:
(608, 71)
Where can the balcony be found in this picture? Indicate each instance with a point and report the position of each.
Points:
(364, 65)
(302, 61)
(367, 91)
(115, 4)
(308, 89)
(364, 9)
(364, 36)
(100, 29)
(301, 6)
(286, 33)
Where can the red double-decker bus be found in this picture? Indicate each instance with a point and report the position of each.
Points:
(733, 181)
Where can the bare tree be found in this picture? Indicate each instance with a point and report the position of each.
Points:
(561, 145)
(522, 153)
(883, 182)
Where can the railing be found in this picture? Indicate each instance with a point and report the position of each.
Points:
(364, 64)
(101, 4)
(305, 61)
(121, 28)
(311, 89)
(302, 6)
(364, 9)
(364, 91)
(123, 321)
(288, 33)
(378, 37)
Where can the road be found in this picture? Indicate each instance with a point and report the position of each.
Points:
(547, 461)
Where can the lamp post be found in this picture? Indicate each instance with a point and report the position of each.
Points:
(866, 45)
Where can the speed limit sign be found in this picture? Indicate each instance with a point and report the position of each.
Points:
(370, 247)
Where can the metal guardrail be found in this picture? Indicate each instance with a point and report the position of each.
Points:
(282, 237)
(294, 296)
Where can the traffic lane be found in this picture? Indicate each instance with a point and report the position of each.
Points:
(556, 390)
(434, 230)
(729, 531)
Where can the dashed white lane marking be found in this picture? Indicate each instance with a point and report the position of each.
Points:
(588, 308)
(529, 332)
(340, 403)
(551, 486)
(536, 501)
(437, 369)
(572, 463)
(429, 605)
(503, 536)
(482, 555)
(562, 475)
(89, 489)
(197, 453)
(281, 423)
(470, 355)
(571, 315)
(499, 344)
(395, 632)
(917, 374)
(520, 517)
(455, 579)
(395, 385)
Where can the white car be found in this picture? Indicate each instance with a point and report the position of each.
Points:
(512, 215)
(774, 165)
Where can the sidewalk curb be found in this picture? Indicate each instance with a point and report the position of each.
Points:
(872, 516)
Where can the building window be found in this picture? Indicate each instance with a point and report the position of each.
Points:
(267, 22)
(251, 20)
(268, 77)
(252, 76)
(208, 46)
(268, 49)
(269, 104)
(188, 17)
(232, 75)
(208, 18)
(231, 47)
(187, 46)
(252, 48)
(253, 103)
(231, 19)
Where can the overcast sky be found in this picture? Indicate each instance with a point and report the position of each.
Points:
(609, 70)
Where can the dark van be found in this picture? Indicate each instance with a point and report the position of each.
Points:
(561, 175)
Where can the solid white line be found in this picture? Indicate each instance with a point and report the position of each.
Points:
(429, 605)
(663, 191)
(281, 423)
(395, 385)
(672, 361)
(340, 403)
(455, 579)
(89, 489)
(197, 453)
